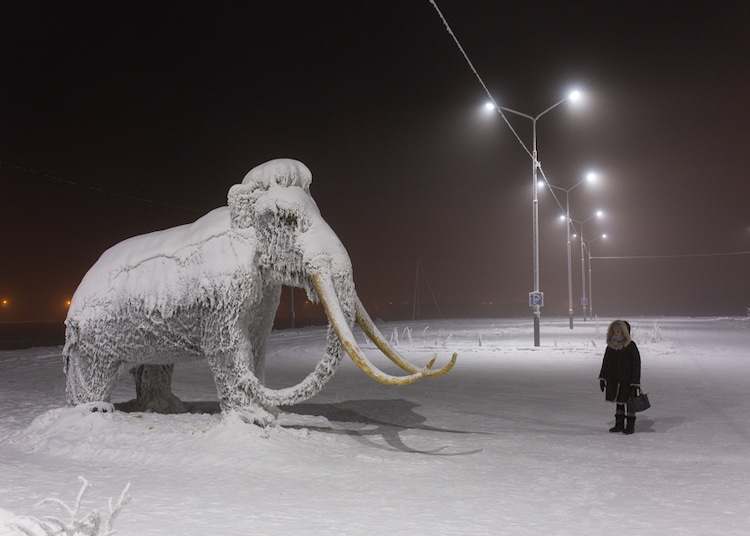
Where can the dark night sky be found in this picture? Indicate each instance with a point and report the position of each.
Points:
(120, 118)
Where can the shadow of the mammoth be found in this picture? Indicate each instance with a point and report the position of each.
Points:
(367, 420)
(364, 420)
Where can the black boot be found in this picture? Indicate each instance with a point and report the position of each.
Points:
(619, 424)
(630, 428)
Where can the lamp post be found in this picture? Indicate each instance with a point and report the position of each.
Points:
(584, 301)
(591, 293)
(536, 298)
(568, 224)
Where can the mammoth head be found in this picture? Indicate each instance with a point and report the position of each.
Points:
(283, 172)
(294, 241)
(296, 247)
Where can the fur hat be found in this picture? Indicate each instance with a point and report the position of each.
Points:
(624, 326)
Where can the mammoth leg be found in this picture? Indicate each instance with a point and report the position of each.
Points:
(153, 389)
(229, 371)
(89, 380)
(259, 328)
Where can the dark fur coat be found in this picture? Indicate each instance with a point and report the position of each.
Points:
(621, 366)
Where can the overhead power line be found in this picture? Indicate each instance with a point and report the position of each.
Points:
(689, 255)
(479, 78)
(83, 185)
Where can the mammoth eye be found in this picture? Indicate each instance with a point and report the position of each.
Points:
(289, 219)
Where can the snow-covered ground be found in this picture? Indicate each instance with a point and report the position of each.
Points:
(512, 441)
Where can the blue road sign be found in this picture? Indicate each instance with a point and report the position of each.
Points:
(536, 299)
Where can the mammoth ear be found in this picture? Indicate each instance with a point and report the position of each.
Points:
(241, 200)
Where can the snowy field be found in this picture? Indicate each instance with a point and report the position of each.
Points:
(512, 441)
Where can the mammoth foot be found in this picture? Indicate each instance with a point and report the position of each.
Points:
(256, 415)
(163, 404)
(98, 407)
(153, 390)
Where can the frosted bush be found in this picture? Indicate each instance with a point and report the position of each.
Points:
(424, 332)
(445, 342)
(437, 339)
(394, 337)
(652, 335)
(88, 525)
(406, 335)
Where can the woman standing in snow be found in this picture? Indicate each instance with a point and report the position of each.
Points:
(620, 373)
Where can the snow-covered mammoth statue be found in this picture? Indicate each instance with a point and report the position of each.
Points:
(211, 289)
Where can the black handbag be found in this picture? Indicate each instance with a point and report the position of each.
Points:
(638, 401)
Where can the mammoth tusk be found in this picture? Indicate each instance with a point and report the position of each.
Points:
(330, 301)
(374, 334)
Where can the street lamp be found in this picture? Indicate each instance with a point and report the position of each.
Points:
(536, 298)
(591, 294)
(568, 224)
(584, 301)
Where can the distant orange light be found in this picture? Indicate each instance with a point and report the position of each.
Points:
(5, 302)
(67, 303)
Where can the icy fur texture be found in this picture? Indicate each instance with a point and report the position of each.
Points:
(209, 289)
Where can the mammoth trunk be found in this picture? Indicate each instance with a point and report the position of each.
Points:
(344, 298)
